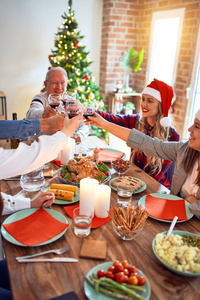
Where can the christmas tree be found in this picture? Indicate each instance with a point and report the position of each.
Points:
(73, 57)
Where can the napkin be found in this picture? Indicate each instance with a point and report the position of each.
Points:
(165, 209)
(106, 155)
(96, 222)
(58, 162)
(35, 229)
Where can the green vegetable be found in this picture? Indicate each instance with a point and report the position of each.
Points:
(67, 176)
(111, 288)
(102, 168)
(191, 240)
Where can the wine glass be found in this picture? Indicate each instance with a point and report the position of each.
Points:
(54, 100)
(121, 166)
(73, 108)
(89, 112)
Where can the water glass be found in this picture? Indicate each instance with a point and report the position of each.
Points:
(33, 181)
(82, 223)
(124, 195)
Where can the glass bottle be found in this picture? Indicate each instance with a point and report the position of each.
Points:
(15, 142)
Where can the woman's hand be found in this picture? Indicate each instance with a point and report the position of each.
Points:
(70, 125)
(44, 200)
(49, 112)
(191, 199)
(97, 121)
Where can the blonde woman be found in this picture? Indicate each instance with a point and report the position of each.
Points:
(153, 121)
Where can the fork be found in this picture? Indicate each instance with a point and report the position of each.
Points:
(55, 251)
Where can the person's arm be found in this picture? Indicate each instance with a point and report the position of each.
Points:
(119, 131)
(26, 158)
(35, 111)
(12, 204)
(19, 129)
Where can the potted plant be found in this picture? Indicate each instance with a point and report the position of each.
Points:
(131, 61)
(129, 107)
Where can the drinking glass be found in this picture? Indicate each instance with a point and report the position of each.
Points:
(124, 195)
(82, 223)
(33, 181)
(54, 100)
(73, 108)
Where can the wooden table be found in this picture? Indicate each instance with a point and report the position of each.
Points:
(42, 281)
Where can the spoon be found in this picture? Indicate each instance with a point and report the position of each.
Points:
(172, 225)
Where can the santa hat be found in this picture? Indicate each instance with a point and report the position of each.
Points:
(163, 93)
(197, 115)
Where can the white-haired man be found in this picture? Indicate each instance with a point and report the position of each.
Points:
(55, 82)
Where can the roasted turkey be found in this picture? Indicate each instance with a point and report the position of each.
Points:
(83, 167)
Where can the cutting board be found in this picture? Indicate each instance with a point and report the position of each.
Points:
(93, 249)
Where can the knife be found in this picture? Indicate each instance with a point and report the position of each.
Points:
(55, 259)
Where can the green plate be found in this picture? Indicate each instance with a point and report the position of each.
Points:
(25, 213)
(66, 202)
(93, 295)
(143, 187)
(170, 197)
(181, 233)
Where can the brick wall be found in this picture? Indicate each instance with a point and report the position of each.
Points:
(128, 23)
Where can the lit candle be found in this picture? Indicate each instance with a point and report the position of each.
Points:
(102, 201)
(68, 152)
(87, 195)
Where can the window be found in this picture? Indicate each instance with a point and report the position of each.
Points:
(164, 47)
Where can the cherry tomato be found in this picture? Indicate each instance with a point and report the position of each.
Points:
(100, 273)
(141, 280)
(125, 279)
(119, 277)
(109, 274)
(125, 264)
(132, 269)
(126, 272)
(133, 274)
(132, 280)
(100, 163)
(62, 175)
(116, 262)
(111, 269)
(70, 180)
(106, 173)
(119, 268)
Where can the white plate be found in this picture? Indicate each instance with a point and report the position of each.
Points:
(170, 197)
(93, 295)
(181, 233)
(66, 202)
(141, 189)
(25, 213)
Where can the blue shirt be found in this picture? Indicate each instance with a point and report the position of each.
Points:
(19, 129)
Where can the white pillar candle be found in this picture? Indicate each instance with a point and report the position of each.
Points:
(87, 195)
(102, 201)
(68, 152)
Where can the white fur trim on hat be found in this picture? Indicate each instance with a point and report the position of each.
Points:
(197, 115)
(152, 92)
(165, 122)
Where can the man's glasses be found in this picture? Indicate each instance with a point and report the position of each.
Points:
(55, 83)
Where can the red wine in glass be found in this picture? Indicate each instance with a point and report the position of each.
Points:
(71, 115)
(54, 105)
(88, 114)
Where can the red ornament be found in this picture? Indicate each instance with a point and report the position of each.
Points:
(86, 77)
(50, 56)
(66, 57)
(75, 44)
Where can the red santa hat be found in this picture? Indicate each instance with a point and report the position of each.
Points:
(197, 115)
(164, 94)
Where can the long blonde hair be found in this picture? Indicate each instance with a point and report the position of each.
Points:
(189, 160)
(153, 162)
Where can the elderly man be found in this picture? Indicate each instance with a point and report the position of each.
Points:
(55, 82)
